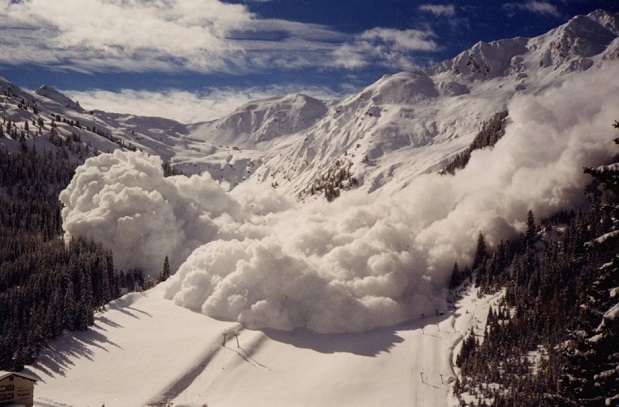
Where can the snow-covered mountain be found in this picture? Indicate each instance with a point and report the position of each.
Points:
(262, 121)
(274, 272)
(395, 129)
(410, 123)
(52, 93)
(53, 122)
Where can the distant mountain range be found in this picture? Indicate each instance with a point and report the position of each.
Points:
(399, 127)
(300, 296)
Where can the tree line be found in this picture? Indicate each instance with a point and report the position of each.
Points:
(490, 133)
(46, 286)
(552, 340)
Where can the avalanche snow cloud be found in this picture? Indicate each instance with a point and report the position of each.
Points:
(123, 201)
(362, 261)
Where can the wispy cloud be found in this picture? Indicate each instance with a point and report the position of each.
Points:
(95, 35)
(189, 35)
(185, 106)
(448, 10)
(536, 7)
(396, 48)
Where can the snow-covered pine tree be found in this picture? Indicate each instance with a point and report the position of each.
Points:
(165, 271)
(591, 374)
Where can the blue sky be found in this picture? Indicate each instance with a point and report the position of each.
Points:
(195, 60)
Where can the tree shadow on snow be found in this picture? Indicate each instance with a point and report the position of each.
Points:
(125, 304)
(60, 355)
(57, 358)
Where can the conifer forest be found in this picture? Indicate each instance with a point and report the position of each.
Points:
(553, 339)
(46, 285)
(550, 342)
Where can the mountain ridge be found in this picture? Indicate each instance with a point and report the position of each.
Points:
(399, 127)
(376, 260)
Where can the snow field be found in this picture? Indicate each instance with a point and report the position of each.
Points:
(145, 350)
(134, 351)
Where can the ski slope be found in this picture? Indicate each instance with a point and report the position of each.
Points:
(144, 350)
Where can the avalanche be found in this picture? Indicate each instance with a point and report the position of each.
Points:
(362, 261)
(345, 284)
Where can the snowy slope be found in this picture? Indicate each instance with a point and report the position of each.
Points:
(408, 123)
(144, 350)
(82, 134)
(51, 93)
(262, 121)
(397, 128)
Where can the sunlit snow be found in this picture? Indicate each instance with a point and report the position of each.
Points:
(362, 261)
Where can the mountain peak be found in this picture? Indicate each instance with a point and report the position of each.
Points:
(566, 48)
(608, 20)
(489, 59)
(52, 93)
(264, 120)
(572, 46)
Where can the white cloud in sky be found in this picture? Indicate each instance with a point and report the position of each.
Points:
(99, 34)
(385, 46)
(119, 27)
(186, 106)
(363, 260)
(448, 10)
(536, 7)
(191, 35)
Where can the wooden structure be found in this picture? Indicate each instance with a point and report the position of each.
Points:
(16, 388)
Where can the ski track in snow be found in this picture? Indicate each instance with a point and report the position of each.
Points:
(181, 383)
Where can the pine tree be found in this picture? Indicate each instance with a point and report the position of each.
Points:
(531, 228)
(562, 297)
(480, 252)
(165, 272)
(592, 373)
(69, 306)
(456, 277)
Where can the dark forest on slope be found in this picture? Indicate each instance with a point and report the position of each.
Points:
(553, 339)
(46, 286)
(490, 133)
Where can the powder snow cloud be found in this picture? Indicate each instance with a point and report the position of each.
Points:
(362, 261)
(123, 199)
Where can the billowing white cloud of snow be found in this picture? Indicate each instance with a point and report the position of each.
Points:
(123, 201)
(362, 261)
